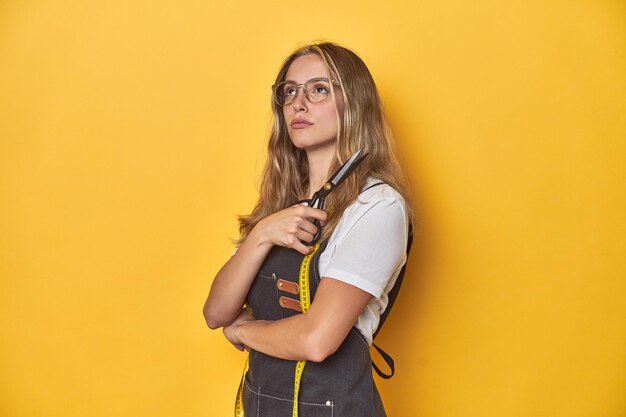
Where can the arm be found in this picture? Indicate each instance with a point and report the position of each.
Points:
(312, 336)
(368, 257)
(231, 284)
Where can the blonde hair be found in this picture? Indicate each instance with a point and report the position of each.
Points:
(362, 124)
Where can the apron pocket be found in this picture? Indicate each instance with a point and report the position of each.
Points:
(250, 399)
(264, 403)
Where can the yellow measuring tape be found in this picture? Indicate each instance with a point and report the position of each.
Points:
(239, 400)
(305, 302)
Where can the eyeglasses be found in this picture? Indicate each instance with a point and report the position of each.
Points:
(315, 90)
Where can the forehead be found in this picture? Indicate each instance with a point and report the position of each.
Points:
(306, 67)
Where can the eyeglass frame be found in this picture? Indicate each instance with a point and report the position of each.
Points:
(303, 86)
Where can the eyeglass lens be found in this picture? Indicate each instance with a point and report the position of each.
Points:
(315, 90)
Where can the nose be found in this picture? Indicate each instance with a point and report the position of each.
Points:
(299, 101)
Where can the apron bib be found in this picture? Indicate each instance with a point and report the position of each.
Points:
(340, 386)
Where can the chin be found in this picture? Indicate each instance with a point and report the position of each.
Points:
(309, 144)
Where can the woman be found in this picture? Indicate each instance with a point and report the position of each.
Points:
(326, 107)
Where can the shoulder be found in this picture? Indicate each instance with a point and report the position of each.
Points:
(376, 190)
(379, 197)
(377, 205)
(368, 245)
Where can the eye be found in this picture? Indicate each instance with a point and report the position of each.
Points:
(290, 90)
(320, 88)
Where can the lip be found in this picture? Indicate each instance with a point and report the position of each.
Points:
(300, 124)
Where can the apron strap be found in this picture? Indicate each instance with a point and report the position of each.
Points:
(372, 186)
(388, 360)
(392, 298)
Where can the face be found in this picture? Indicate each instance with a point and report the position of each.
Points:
(311, 126)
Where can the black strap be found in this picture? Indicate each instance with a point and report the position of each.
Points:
(388, 360)
(393, 294)
(372, 186)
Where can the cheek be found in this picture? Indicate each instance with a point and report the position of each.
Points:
(332, 113)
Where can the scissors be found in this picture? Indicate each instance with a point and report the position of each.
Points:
(319, 197)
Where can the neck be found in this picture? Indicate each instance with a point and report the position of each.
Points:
(319, 164)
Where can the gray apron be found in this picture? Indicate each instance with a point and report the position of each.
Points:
(340, 386)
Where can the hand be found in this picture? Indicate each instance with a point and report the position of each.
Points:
(290, 227)
(230, 331)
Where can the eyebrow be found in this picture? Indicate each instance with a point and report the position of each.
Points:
(312, 79)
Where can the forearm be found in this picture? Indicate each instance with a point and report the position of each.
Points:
(292, 338)
(312, 336)
(287, 228)
(232, 282)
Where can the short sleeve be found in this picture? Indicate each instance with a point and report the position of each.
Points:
(373, 243)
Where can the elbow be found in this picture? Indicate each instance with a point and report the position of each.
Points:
(318, 356)
(215, 316)
(212, 324)
(318, 347)
(211, 320)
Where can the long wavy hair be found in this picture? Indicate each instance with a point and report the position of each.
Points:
(362, 124)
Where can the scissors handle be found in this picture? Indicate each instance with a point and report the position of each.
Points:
(317, 201)
(318, 234)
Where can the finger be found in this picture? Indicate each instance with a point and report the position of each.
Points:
(308, 227)
(302, 248)
(318, 214)
(305, 236)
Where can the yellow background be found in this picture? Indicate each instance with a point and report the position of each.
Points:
(133, 132)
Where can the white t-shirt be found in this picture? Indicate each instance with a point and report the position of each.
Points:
(368, 249)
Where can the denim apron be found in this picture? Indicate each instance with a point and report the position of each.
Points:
(340, 386)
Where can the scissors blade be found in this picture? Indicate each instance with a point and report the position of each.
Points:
(347, 168)
(317, 201)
